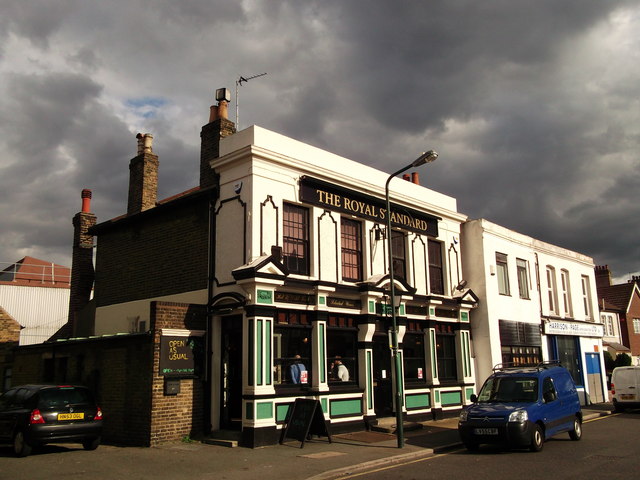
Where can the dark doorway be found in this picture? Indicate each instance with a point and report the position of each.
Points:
(231, 373)
(382, 378)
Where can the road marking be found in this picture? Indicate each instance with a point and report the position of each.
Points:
(400, 464)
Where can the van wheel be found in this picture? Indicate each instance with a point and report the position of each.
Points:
(576, 433)
(537, 439)
(617, 407)
(20, 446)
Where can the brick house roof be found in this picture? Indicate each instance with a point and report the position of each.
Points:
(617, 295)
(33, 272)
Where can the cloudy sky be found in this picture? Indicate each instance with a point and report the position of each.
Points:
(534, 106)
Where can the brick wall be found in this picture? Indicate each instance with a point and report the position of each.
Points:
(160, 254)
(123, 372)
(176, 416)
(633, 312)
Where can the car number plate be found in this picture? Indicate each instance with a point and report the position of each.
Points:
(71, 416)
(627, 396)
(485, 431)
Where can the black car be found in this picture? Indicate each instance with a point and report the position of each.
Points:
(32, 415)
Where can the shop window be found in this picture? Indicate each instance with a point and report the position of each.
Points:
(502, 272)
(295, 250)
(586, 297)
(413, 353)
(523, 278)
(436, 277)
(351, 241)
(521, 356)
(566, 293)
(446, 353)
(342, 349)
(399, 254)
(552, 290)
(292, 348)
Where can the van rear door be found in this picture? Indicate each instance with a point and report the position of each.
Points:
(625, 382)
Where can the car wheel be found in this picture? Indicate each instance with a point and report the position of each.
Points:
(472, 446)
(91, 444)
(20, 446)
(576, 433)
(537, 439)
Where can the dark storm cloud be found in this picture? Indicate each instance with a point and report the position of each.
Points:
(534, 115)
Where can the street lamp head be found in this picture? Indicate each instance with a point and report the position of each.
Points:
(426, 157)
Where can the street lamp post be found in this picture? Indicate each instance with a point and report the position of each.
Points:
(426, 157)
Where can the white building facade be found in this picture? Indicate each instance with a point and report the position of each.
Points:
(538, 303)
(305, 274)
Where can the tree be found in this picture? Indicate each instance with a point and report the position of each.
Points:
(609, 362)
(623, 360)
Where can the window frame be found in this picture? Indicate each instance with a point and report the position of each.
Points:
(418, 358)
(502, 273)
(287, 321)
(436, 267)
(552, 290)
(522, 271)
(566, 292)
(586, 296)
(397, 259)
(351, 248)
(447, 360)
(296, 263)
(636, 325)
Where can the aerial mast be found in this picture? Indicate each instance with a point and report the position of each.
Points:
(239, 83)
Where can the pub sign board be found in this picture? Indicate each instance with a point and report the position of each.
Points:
(181, 356)
(329, 196)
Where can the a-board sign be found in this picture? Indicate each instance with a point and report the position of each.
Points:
(181, 356)
(305, 418)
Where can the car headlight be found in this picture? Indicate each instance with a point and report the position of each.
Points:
(463, 415)
(519, 416)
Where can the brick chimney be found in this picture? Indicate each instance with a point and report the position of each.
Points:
(635, 279)
(82, 273)
(603, 276)
(219, 126)
(143, 177)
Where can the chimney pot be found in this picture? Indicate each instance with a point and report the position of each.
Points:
(406, 177)
(213, 113)
(223, 109)
(415, 178)
(86, 200)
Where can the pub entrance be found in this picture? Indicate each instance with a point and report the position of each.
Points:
(231, 372)
(382, 378)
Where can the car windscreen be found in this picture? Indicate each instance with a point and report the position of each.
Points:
(63, 396)
(509, 389)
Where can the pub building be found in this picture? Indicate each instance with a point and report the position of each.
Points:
(286, 246)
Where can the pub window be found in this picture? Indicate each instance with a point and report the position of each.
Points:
(446, 353)
(436, 277)
(292, 348)
(342, 349)
(413, 353)
(502, 270)
(399, 254)
(295, 250)
(523, 278)
(566, 293)
(351, 241)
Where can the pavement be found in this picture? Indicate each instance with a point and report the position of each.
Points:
(350, 453)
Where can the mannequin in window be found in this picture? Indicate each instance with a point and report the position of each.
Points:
(297, 371)
(340, 371)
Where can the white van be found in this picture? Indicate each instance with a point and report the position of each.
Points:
(625, 387)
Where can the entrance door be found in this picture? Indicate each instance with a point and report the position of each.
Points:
(382, 380)
(231, 372)
(594, 377)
